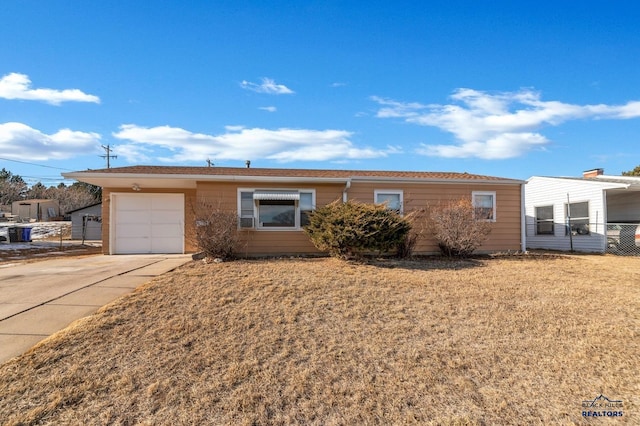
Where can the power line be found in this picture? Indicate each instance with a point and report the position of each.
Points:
(43, 177)
(34, 164)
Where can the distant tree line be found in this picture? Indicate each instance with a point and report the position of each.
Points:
(634, 172)
(77, 195)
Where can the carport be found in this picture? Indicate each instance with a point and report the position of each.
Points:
(623, 219)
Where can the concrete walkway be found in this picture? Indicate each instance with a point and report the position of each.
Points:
(40, 298)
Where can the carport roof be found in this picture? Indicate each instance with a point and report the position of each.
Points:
(606, 182)
(627, 181)
(186, 177)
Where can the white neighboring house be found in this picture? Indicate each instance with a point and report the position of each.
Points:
(593, 206)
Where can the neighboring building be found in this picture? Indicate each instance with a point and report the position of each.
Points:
(86, 222)
(36, 210)
(149, 209)
(600, 209)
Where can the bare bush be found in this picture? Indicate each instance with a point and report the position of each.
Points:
(216, 231)
(454, 226)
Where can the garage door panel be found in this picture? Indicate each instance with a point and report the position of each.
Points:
(128, 231)
(134, 216)
(134, 246)
(167, 201)
(166, 231)
(134, 202)
(164, 216)
(148, 223)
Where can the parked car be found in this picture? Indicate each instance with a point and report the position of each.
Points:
(623, 236)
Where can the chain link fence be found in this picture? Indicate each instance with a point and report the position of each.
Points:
(623, 239)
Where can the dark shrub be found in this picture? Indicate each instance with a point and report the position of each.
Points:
(350, 229)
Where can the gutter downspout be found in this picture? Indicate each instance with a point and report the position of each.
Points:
(523, 221)
(344, 191)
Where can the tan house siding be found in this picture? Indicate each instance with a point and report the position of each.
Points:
(266, 242)
(419, 190)
(189, 196)
(505, 233)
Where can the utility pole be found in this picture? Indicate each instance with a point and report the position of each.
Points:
(108, 155)
(209, 163)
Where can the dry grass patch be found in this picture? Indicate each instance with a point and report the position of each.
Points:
(493, 341)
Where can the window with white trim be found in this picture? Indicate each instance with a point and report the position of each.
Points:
(577, 215)
(544, 220)
(393, 198)
(484, 204)
(245, 208)
(306, 205)
(278, 209)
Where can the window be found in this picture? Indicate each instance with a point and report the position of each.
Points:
(306, 205)
(484, 204)
(544, 220)
(275, 209)
(577, 215)
(246, 209)
(393, 198)
(276, 213)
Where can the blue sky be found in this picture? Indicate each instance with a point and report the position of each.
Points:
(502, 88)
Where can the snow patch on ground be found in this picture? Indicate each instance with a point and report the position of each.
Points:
(43, 235)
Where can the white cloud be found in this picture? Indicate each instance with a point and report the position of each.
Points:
(19, 141)
(506, 145)
(496, 126)
(394, 109)
(134, 153)
(268, 86)
(282, 145)
(17, 86)
(269, 108)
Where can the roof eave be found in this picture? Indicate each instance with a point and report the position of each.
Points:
(604, 184)
(185, 181)
(190, 181)
(437, 180)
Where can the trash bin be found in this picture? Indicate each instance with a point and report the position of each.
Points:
(14, 235)
(26, 235)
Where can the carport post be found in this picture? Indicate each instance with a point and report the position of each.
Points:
(569, 222)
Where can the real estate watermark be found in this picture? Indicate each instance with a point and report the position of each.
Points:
(602, 406)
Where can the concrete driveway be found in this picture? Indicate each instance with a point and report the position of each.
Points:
(40, 298)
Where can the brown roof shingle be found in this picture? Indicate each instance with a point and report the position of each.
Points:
(303, 173)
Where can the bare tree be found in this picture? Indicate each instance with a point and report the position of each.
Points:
(71, 197)
(37, 191)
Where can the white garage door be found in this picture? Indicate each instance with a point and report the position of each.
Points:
(147, 223)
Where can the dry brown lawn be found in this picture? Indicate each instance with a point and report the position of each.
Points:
(519, 340)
